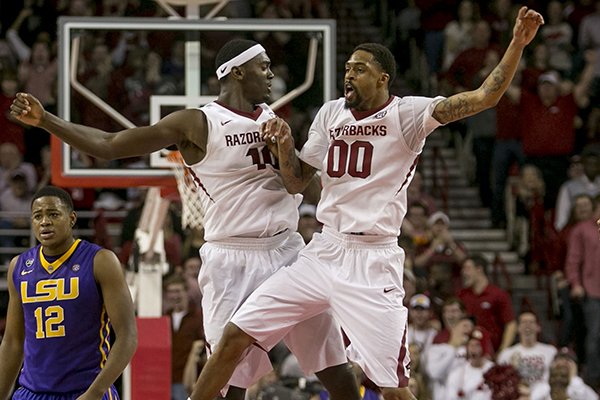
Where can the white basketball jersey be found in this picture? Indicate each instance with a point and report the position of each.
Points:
(239, 184)
(367, 162)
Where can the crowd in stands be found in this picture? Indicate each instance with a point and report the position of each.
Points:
(536, 165)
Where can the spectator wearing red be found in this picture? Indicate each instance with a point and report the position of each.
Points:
(11, 131)
(548, 126)
(489, 304)
(462, 74)
(583, 273)
(538, 63)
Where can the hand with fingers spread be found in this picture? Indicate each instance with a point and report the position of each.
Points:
(27, 109)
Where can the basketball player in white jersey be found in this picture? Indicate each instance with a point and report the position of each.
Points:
(250, 218)
(366, 145)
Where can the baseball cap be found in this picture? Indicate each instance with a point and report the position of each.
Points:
(420, 300)
(549, 77)
(437, 216)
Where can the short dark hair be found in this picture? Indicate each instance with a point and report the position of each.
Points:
(383, 56)
(232, 49)
(454, 300)
(528, 311)
(480, 261)
(54, 191)
(174, 279)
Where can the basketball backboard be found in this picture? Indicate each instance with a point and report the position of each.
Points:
(201, 39)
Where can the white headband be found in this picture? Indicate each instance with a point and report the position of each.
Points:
(238, 60)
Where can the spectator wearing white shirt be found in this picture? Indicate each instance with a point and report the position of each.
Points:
(441, 358)
(531, 358)
(419, 316)
(563, 381)
(466, 382)
(587, 183)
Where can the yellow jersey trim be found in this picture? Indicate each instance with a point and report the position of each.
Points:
(50, 267)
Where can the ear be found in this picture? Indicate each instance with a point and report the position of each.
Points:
(384, 79)
(73, 218)
(238, 72)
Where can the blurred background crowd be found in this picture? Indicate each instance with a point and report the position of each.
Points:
(533, 163)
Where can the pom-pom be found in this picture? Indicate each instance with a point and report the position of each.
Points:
(503, 381)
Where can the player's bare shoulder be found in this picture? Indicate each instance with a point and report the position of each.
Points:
(193, 127)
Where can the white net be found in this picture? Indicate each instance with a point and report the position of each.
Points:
(192, 215)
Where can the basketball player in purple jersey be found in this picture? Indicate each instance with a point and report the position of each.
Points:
(65, 294)
(250, 219)
(366, 144)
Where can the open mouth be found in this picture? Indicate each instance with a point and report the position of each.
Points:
(349, 92)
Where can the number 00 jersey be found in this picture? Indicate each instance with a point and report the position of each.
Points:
(367, 161)
(66, 325)
(239, 184)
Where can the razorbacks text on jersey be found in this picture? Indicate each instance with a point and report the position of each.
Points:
(367, 161)
(238, 172)
(66, 324)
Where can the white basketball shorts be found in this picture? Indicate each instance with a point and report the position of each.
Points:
(358, 278)
(231, 270)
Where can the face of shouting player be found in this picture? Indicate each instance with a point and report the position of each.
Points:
(365, 82)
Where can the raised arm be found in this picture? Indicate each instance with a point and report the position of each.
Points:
(465, 104)
(11, 349)
(297, 174)
(119, 306)
(173, 129)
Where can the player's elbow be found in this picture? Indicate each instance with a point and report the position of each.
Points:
(486, 100)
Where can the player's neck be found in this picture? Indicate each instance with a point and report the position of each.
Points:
(374, 104)
(58, 250)
(236, 102)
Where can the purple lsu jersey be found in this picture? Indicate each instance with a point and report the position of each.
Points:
(66, 324)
